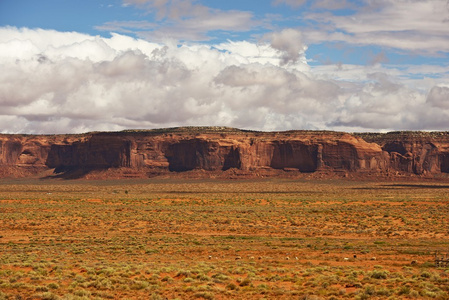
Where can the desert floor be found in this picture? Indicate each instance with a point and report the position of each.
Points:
(216, 239)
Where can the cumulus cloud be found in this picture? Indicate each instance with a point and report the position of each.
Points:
(63, 82)
(439, 97)
(289, 42)
(381, 103)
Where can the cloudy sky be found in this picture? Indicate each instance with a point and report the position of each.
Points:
(72, 66)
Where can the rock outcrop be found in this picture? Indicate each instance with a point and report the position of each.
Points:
(420, 153)
(218, 150)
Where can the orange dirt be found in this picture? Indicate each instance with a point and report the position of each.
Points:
(276, 239)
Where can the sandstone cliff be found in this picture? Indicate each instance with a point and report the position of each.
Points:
(221, 150)
(421, 153)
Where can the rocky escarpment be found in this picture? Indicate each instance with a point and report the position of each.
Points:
(96, 152)
(218, 150)
(421, 153)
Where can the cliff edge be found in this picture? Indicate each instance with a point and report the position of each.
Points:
(225, 152)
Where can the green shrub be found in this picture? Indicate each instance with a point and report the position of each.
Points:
(245, 282)
(231, 286)
(82, 293)
(205, 295)
(425, 274)
(379, 274)
(48, 296)
(53, 286)
(41, 289)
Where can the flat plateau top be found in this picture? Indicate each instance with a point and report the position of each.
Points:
(194, 130)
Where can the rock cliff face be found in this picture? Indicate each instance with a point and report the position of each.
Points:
(97, 152)
(420, 153)
(177, 150)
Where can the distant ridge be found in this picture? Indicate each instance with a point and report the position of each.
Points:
(225, 152)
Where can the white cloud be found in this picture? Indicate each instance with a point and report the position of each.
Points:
(184, 20)
(173, 9)
(126, 26)
(439, 97)
(412, 25)
(289, 42)
(331, 4)
(381, 104)
(42, 38)
(68, 82)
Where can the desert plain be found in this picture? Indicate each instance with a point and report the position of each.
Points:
(177, 238)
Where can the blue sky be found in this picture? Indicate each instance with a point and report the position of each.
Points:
(93, 17)
(340, 65)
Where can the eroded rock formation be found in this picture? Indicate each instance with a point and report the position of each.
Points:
(420, 153)
(176, 150)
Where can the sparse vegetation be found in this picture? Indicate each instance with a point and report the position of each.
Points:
(207, 239)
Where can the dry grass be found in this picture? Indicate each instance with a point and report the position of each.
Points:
(208, 239)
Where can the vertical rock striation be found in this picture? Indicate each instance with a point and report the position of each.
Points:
(420, 153)
(220, 149)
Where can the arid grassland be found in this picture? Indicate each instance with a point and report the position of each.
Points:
(208, 239)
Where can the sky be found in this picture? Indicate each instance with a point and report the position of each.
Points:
(92, 65)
